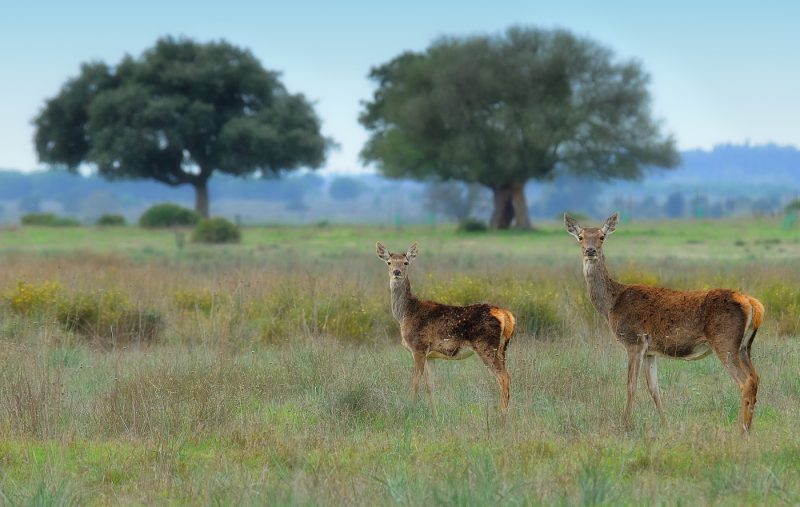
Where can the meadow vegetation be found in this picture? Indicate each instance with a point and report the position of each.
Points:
(48, 220)
(216, 230)
(168, 215)
(110, 220)
(138, 370)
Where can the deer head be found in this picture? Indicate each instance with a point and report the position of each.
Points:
(591, 238)
(396, 264)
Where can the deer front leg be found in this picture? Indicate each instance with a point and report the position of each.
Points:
(636, 351)
(429, 385)
(419, 370)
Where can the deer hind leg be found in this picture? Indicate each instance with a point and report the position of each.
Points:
(738, 367)
(636, 353)
(750, 387)
(503, 378)
(495, 360)
(651, 375)
(749, 392)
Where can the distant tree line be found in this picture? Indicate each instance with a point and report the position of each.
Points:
(370, 197)
(697, 205)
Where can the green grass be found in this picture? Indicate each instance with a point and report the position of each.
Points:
(280, 379)
(750, 240)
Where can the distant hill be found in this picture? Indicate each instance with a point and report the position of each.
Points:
(727, 180)
(735, 164)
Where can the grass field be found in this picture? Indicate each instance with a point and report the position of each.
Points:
(271, 372)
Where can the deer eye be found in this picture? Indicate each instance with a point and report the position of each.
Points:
(406, 263)
(580, 238)
(388, 263)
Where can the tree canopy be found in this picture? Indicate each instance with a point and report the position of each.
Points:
(177, 114)
(501, 110)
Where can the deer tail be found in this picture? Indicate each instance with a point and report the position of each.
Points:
(755, 316)
(757, 312)
(507, 323)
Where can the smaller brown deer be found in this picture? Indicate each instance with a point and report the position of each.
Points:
(435, 331)
(654, 321)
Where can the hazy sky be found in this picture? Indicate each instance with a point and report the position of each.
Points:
(722, 71)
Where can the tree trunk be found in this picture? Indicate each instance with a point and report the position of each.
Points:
(510, 205)
(520, 205)
(503, 211)
(201, 198)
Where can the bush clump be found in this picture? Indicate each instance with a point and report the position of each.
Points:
(26, 298)
(472, 225)
(110, 220)
(108, 318)
(638, 275)
(537, 315)
(782, 304)
(350, 317)
(168, 215)
(216, 230)
(196, 301)
(48, 220)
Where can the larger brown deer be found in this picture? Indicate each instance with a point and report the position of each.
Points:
(435, 331)
(653, 321)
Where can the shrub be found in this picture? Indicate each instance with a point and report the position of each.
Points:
(168, 215)
(472, 225)
(349, 317)
(281, 314)
(25, 298)
(346, 315)
(782, 304)
(109, 318)
(196, 301)
(638, 275)
(110, 220)
(48, 220)
(463, 290)
(536, 315)
(216, 230)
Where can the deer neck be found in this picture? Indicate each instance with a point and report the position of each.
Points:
(603, 291)
(401, 297)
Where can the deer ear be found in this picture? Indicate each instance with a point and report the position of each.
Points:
(611, 224)
(412, 252)
(572, 226)
(382, 252)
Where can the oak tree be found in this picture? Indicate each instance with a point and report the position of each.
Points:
(503, 110)
(177, 114)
